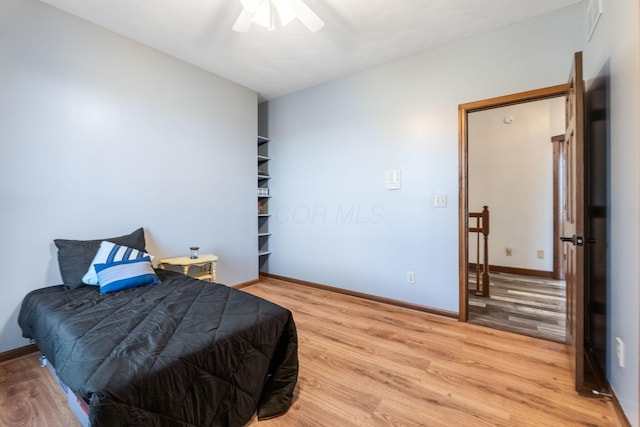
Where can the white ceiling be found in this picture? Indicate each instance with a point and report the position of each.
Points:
(358, 34)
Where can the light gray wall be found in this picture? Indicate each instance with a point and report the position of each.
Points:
(100, 135)
(511, 172)
(615, 41)
(334, 221)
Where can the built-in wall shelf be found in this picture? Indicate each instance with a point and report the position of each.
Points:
(263, 203)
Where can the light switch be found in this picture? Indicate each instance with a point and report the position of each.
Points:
(393, 180)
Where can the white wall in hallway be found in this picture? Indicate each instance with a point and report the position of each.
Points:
(511, 172)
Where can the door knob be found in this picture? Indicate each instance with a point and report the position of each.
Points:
(575, 240)
(578, 240)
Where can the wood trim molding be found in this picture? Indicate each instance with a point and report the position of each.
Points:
(18, 352)
(516, 98)
(463, 167)
(618, 411)
(463, 212)
(245, 284)
(424, 309)
(601, 383)
(558, 211)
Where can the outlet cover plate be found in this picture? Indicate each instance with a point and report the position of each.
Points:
(440, 201)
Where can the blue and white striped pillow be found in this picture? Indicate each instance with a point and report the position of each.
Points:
(131, 273)
(110, 252)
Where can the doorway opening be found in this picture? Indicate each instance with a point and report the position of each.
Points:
(506, 169)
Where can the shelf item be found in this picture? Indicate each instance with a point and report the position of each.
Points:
(206, 262)
(263, 208)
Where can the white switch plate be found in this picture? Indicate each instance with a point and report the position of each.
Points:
(440, 201)
(620, 352)
(393, 180)
(411, 277)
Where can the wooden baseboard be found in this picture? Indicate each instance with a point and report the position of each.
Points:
(596, 380)
(617, 410)
(370, 297)
(245, 284)
(514, 270)
(18, 352)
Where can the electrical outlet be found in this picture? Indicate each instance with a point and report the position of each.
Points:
(440, 201)
(540, 254)
(508, 251)
(411, 278)
(620, 352)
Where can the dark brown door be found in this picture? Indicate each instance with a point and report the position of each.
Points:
(574, 219)
(596, 222)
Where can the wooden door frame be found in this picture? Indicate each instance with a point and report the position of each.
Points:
(463, 168)
(558, 206)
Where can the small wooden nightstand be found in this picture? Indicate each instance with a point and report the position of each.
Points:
(206, 262)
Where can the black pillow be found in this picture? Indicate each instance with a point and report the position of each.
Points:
(75, 256)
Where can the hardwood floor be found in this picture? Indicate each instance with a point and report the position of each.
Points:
(371, 364)
(364, 363)
(533, 306)
(30, 397)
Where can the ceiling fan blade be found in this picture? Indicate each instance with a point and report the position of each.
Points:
(306, 15)
(243, 22)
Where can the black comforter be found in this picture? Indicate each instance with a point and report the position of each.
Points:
(181, 353)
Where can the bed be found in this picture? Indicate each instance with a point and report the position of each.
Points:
(182, 352)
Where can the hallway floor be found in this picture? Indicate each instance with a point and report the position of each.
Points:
(527, 305)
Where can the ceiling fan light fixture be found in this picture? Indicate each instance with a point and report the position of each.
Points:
(285, 12)
(252, 5)
(264, 12)
(265, 15)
